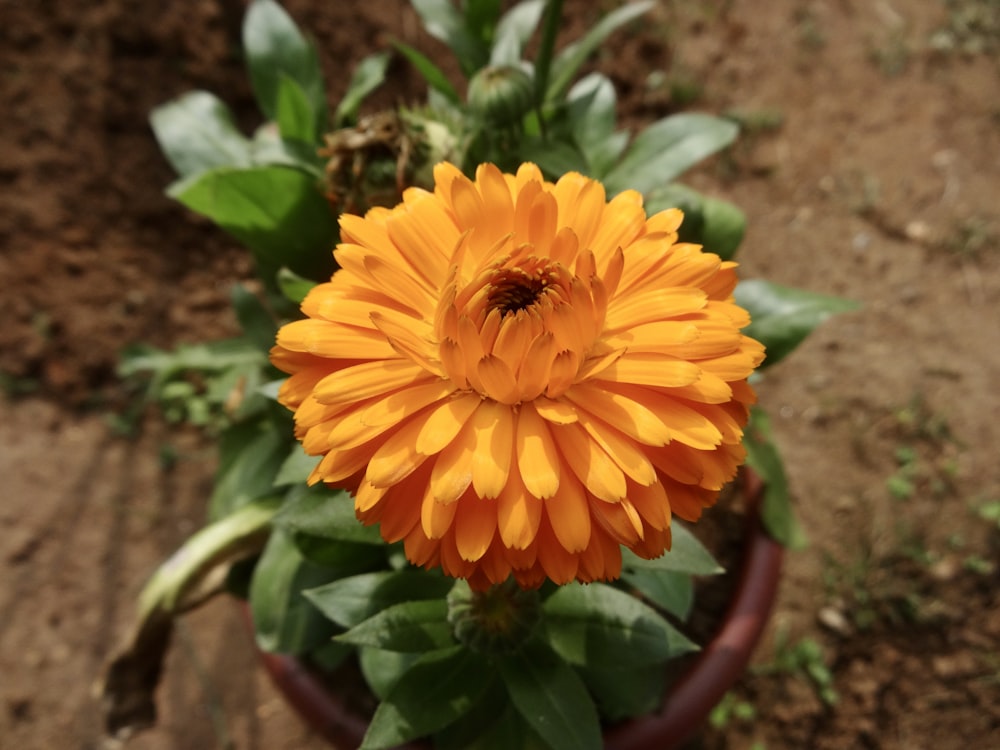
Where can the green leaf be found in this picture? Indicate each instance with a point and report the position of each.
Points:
(275, 48)
(435, 691)
(276, 211)
(623, 693)
(776, 512)
(351, 601)
(668, 147)
(602, 627)
(208, 357)
(409, 626)
(268, 148)
(196, 132)
(294, 113)
(725, 225)
(551, 697)
(368, 76)
(434, 76)
(294, 287)
(514, 30)
(296, 468)
(782, 316)
(716, 224)
(503, 729)
(346, 558)
(686, 555)
(258, 324)
(568, 62)
(328, 514)
(552, 157)
(383, 669)
(464, 34)
(689, 201)
(591, 114)
(284, 621)
(250, 454)
(669, 590)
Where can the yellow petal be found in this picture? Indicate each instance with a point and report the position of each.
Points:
(650, 305)
(396, 407)
(493, 427)
(652, 504)
(627, 414)
(537, 459)
(368, 496)
(533, 377)
(333, 340)
(436, 518)
(405, 338)
(565, 367)
(369, 379)
(398, 283)
(557, 411)
(685, 423)
(626, 454)
(498, 380)
(475, 524)
(397, 457)
(452, 472)
(518, 514)
(652, 369)
(569, 515)
(444, 423)
(594, 468)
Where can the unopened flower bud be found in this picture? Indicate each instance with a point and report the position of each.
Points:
(501, 95)
(494, 621)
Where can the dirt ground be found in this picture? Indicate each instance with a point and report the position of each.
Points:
(869, 168)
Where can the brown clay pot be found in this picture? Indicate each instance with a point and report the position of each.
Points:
(686, 705)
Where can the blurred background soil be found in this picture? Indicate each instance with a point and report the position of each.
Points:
(869, 168)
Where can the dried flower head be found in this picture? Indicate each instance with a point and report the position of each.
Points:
(517, 377)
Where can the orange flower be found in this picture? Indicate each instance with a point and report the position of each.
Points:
(517, 377)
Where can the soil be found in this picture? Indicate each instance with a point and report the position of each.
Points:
(868, 169)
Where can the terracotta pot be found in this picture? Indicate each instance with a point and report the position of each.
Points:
(686, 705)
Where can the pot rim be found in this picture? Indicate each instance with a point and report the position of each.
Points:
(688, 701)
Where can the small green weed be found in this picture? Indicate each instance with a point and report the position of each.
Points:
(729, 709)
(806, 658)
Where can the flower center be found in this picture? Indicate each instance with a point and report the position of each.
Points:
(513, 289)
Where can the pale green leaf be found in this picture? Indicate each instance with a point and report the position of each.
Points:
(667, 148)
(196, 132)
(782, 316)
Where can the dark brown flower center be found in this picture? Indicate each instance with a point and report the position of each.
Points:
(513, 289)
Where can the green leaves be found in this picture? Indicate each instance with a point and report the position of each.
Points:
(284, 621)
(713, 223)
(552, 698)
(322, 512)
(514, 30)
(276, 211)
(368, 76)
(568, 62)
(686, 555)
(196, 132)
(466, 31)
(284, 70)
(436, 690)
(351, 601)
(782, 317)
(410, 626)
(667, 148)
(776, 513)
(250, 453)
(603, 628)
